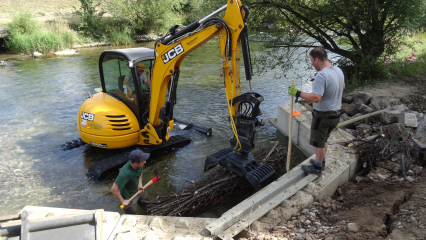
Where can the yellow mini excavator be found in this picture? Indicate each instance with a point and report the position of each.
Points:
(127, 113)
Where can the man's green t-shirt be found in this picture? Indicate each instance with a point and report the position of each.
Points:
(128, 180)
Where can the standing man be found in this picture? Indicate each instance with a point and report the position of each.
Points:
(326, 95)
(129, 181)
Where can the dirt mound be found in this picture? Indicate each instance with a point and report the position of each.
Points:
(391, 210)
(416, 101)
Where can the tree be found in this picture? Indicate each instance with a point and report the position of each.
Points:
(90, 18)
(357, 30)
(143, 16)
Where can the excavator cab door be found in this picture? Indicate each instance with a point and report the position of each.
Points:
(114, 71)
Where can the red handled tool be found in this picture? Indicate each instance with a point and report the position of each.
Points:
(153, 180)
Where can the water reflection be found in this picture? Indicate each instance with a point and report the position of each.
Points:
(39, 101)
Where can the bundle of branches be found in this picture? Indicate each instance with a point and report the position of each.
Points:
(214, 189)
(394, 154)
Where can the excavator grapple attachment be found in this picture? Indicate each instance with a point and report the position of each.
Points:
(243, 165)
(261, 176)
(237, 159)
(215, 159)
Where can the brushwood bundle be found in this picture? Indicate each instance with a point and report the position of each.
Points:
(396, 154)
(214, 189)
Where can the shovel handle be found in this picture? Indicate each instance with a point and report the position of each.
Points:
(290, 130)
(140, 191)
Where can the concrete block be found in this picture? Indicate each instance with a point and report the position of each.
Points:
(408, 119)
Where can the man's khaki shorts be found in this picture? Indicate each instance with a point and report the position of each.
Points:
(321, 127)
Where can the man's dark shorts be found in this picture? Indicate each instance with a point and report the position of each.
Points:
(321, 127)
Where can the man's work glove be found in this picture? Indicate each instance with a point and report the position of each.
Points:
(292, 90)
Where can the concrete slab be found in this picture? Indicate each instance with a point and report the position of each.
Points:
(137, 227)
(110, 219)
(266, 208)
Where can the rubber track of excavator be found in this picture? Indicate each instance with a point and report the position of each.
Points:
(98, 169)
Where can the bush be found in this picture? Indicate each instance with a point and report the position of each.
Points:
(90, 18)
(144, 16)
(27, 35)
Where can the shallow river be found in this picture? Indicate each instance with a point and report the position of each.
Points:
(39, 101)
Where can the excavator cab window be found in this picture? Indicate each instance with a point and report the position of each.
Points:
(145, 82)
(118, 80)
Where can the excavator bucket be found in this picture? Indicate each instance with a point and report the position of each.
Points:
(242, 164)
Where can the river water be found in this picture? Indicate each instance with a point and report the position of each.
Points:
(39, 101)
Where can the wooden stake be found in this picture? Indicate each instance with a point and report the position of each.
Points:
(290, 130)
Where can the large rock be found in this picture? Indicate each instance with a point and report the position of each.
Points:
(345, 118)
(350, 109)
(379, 103)
(364, 109)
(401, 108)
(420, 134)
(394, 130)
(390, 117)
(349, 98)
(362, 96)
(408, 119)
(66, 52)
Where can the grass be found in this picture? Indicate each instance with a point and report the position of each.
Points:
(117, 38)
(399, 65)
(27, 35)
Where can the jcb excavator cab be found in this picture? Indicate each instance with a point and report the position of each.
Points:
(113, 117)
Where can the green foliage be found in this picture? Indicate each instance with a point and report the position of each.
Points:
(23, 22)
(404, 68)
(357, 31)
(117, 38)
(144, 16)
(27, 35)
(192, 10)
(90, 18)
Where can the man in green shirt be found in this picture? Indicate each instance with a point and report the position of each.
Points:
(129, 181)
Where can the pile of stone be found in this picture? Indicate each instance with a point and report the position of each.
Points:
(397, 120)
(398, 124)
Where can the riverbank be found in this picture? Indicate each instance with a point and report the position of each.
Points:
(381, 203)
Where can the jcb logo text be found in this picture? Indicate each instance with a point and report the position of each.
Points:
(87, 116)
(172, 53)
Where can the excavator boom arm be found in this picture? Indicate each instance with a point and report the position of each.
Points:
(170, 53)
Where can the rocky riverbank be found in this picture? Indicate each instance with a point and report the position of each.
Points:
(386, 199)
